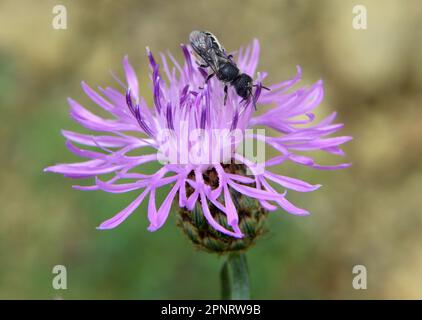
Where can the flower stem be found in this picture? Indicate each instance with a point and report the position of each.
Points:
(235, 278)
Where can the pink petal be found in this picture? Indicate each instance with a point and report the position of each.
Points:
(122, 215)
(131, 78)
(164, 209)
(211, 220)
(291, 183)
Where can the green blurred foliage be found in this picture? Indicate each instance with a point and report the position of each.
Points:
(369, 214)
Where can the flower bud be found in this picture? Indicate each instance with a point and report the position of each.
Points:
(251, 218)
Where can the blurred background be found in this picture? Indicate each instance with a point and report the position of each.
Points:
(369, 214)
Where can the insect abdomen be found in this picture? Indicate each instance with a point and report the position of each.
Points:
(227, 72)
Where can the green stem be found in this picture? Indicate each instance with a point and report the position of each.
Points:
(235, 278)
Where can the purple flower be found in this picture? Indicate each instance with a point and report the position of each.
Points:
(183, 105)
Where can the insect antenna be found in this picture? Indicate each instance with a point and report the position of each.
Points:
(255, 96)
(261, 86)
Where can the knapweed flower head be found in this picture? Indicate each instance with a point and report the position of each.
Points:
(204, 147)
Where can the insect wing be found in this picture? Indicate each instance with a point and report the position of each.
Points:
(214, 42)
(203, 45)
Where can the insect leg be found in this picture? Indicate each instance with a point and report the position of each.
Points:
(225, 93)
(209, 77)
(201, 64)
(253, 99)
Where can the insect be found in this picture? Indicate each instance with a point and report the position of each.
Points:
(213, 55)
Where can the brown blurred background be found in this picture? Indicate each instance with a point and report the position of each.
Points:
(369, 214)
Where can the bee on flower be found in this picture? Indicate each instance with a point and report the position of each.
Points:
(223, 197)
